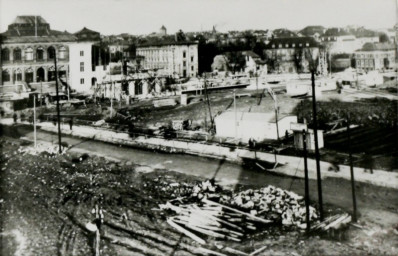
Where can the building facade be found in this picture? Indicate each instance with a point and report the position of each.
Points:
(28, 50)
(179, 58)
(375, 56)
(292, 55)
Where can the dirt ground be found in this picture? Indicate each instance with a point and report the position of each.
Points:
(46, 201)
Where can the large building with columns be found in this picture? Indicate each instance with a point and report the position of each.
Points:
(28, 49)
(171, 58)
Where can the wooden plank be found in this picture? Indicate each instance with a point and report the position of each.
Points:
(258, 251)
(185, 232)
(211, 252)
(238, 211)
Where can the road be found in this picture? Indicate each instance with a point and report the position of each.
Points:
(377, 203)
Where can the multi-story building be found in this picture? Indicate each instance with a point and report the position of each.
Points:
(174, 58)
(28, 49)
(375, 56)
(292, 54)
(81, 60)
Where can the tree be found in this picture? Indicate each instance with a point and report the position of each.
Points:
(180, 36)
(298, 58)
(236, 61)
(383, 38)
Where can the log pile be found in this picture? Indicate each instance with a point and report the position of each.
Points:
(274, 204)
(212, 219)
(333, 222)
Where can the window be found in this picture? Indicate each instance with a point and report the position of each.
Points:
(307, 44)
(184, 54)
(17, 54)
(293, 45)
(62, 53)
(18, 75)
(5, 75)
(5, 54)
(51, 53)
(29, 54)
(191, 58)
(39, 53)
(81, 66)
(184, 63)
(280, 46)
(81, 53)
(81, 80)
(287, 45)
(191, 68)
(301, 45)
(273, 46)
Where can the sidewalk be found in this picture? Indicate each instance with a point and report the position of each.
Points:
(290, 165)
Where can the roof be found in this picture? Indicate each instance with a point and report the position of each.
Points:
(29, 19)
(282, 33)
(166, 43)
(369, 47)
(26, 30)
(289, 41)
(336, 32)
(312, 30)
(249, 116)
(251, 54)
(86, 34)
(163, 27)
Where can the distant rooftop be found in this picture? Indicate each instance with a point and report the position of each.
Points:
(368, 47)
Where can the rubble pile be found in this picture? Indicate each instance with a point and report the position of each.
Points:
(51, 150)
(192, 191)
(274, 204)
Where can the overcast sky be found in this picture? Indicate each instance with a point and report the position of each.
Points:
(146, 16)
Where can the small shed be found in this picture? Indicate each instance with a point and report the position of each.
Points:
(298, 139)
(258, 126)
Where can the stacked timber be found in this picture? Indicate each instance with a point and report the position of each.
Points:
(333, 222)
(212, 219)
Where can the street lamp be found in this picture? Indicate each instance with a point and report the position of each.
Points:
(313, 66)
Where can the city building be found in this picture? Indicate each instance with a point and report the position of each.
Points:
(28, 49)
(375, 56)
(170, 58)
(252, 62)
(293, 54)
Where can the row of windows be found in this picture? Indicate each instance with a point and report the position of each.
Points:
(292, 45)
(17, 54)
(40, 75)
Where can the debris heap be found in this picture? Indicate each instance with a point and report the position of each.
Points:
(274, 204)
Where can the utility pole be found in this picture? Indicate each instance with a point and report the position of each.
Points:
(354, 200)
(56, 90)
(306, 186)
(235, 124)
(318, 167)
(208, 104)
(34, 119)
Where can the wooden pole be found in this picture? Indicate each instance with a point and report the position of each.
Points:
(354, 200)
(58, 110)
(97, 232)
(318, 167)
(306, 186)
(235, 124)
(34, 119)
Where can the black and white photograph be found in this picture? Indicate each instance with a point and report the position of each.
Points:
(198, 127)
